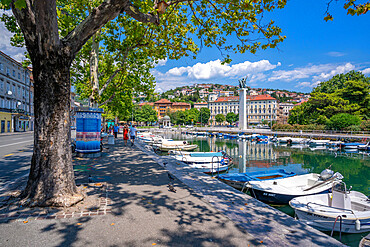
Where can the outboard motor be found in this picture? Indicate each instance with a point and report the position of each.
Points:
(326, 174)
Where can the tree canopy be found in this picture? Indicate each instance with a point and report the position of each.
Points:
(220, 118)
(345, 93)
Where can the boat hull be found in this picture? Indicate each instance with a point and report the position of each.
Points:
(276, 198)
(325, 223)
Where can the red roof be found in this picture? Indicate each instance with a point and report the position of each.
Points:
(163, 101)
(260, 97)
(181, 103)
(201, 103)
(146, 103)
(231, 98)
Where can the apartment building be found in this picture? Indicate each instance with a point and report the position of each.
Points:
(16, 96)
(163, 106)
(259, 108)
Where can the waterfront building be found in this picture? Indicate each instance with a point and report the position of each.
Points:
(16, 96)
(223, 105)
(258, 108)
(284, 112)
(163, 106)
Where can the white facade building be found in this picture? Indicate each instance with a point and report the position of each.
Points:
(258, 108)
(16, 96)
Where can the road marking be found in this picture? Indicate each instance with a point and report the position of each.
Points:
(15, 143)
(8, 155)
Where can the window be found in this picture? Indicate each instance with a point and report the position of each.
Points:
(1, 67)
(19, 90)
(7, 71)
(13, 73)
(1, 84)
(19, 75)
(7, 87)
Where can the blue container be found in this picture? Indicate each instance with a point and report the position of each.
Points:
(88, 124)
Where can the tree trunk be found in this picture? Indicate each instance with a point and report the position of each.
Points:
(94, 64)
(51, 180)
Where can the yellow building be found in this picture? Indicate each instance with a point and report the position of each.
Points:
(5, 122)
(163, 106)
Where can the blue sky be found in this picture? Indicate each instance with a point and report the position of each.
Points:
(313, 51)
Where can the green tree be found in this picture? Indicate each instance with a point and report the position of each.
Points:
(146, 114)
(192, 115)
(231, 117)
(338, 82)
(51, 179)
(220, 118)
(204, 115)
(343, 120)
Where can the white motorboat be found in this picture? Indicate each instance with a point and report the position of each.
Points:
(318, 142)
(167, 145)
(281, 191)
(207, 162)
(364, 146)
(291, 140)
(341, 210)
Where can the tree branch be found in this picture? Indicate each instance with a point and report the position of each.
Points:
(26, 21)
(105, 12)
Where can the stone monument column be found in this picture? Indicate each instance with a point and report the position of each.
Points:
(242, 156)
(242, 109)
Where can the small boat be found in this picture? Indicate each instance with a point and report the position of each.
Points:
(318, 142)
(207, 162)
(341, 211)
(335, 143)
(237, 180)
(167, 145)
(281, 191)
(351, 145)
(364, 146)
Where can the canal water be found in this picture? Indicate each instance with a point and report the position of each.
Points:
(252, 156)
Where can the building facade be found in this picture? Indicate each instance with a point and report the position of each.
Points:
(259, 108)
(163, 106)
(284, 112)
(16, 96)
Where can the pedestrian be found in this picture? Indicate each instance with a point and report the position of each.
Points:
(132, 134)
(115, 130)
(125, 134)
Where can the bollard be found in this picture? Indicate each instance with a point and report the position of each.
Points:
(111, 139)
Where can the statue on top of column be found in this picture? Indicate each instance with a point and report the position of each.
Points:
(243, 82)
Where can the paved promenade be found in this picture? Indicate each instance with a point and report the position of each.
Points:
(144, 212)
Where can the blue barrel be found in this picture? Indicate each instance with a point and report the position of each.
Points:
(88, 124)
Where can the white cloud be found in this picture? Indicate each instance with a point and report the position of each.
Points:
(161, 62)
(304, 84)
(178, 71)
(214, 69)
(366, 71)
(338, 70)
(5, 46)
(299, 73)
(336, 54)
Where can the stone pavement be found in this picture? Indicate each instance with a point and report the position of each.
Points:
(144, 212)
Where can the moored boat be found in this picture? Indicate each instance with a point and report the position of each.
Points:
(281, 191)
(341, 210)
(207, 162)
(351, 145)
(318, 142)
(167, 145)
(237, 180)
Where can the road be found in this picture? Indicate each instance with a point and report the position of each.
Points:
(15, 157)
